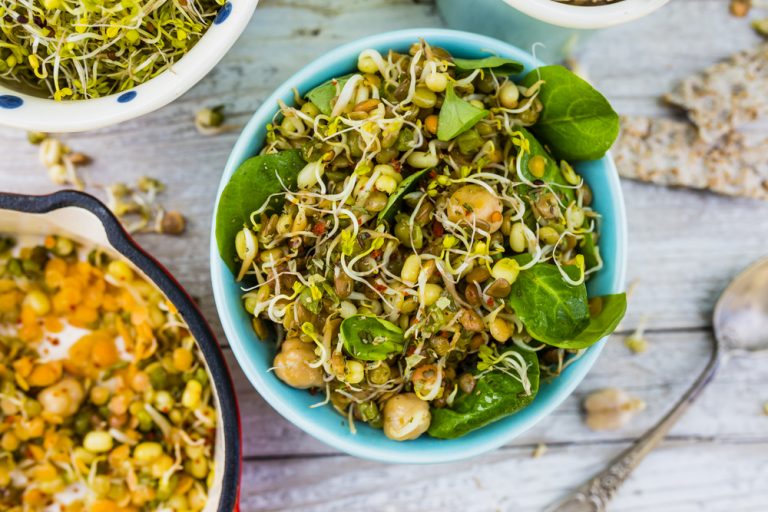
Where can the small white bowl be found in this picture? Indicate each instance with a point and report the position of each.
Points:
(586, 17)
(552, 28)
(19, 110)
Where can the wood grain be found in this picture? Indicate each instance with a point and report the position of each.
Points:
(684, 248)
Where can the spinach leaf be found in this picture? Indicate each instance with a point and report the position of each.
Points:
(250, 185)
(323, 94)
(496, 395)
(456, 116)
(551, 309)
(500, 65)
(370, 338)
(601, 325)
(393, 203)
(577, 122)
(552, 172)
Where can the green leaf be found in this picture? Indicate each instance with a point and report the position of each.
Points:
(552, 172)
(577, 122)
(393, 203)
(496, 395)
(370, 338)
(323, 94)
(456, 116)
(600, 326)
(248, 188)
(551, 309)
(500, 65)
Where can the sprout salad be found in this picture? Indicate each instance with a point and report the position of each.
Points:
(419, 237)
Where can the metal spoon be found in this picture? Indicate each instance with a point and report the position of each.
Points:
(741, 324)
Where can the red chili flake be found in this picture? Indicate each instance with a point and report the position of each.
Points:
(318, 228)
(359, 221)
(432, 174)
(375, 254)
(55, 341)
(379, 287)
(437, 229)
(489, 301)
(397, 166)
(410, 350)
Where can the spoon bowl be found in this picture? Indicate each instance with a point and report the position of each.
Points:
(740, 319)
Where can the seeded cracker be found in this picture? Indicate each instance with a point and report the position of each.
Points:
(726, 95)
(668, 152)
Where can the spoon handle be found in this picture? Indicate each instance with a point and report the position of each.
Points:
(594, 495)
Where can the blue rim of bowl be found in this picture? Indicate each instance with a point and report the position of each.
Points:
(219, 271)
(124, 244)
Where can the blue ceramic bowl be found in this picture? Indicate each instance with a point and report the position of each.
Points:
(255, 355)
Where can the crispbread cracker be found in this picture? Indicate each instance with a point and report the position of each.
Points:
(727, 95)
(669, 152)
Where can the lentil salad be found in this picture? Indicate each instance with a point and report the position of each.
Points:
(105, 400)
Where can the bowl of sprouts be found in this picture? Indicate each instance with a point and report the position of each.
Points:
(114, 396)
(72, 66)
(419, 244)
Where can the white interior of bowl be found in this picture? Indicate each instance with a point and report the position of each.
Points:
(586, 17)
(84, 227)
(46, 115)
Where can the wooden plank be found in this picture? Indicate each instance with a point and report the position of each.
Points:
(678, 477)
(731, 408)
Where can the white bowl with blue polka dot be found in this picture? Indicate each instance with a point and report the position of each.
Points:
(34, 113)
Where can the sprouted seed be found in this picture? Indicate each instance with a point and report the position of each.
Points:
(210, 120)
(740, 8)
(610, 409)
(59, 160)
(105, 400)
(761, 26)
(78, 50)
(540, 450)
(139, 210)
(636, 342)
(420, 203)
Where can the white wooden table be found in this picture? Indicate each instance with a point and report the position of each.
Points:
(684, 247)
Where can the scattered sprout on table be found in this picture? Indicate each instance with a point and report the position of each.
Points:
(540, 450)
(740, 8)
(610, 409)
(59, 160)
(210, 120)
(137, 206)
(636, 342)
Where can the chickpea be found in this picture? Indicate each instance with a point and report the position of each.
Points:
(473, 204)
(292, 365)
(406, 417)
(508, 95)
(63, 398)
